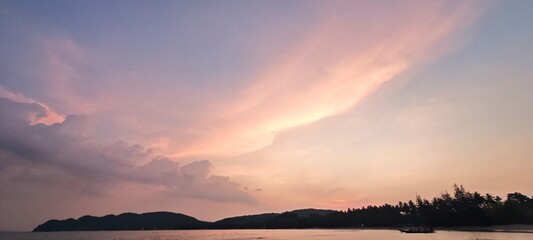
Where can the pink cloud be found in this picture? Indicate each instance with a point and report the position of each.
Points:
(41, 153)
(48, 117)
(329, 70)
(347, 53)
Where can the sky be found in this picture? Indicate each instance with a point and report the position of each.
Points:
(224, 108)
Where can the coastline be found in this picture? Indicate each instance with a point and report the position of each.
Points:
(513, 228)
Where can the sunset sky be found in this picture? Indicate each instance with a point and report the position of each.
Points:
(224, 108)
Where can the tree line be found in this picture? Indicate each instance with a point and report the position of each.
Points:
(461, 208)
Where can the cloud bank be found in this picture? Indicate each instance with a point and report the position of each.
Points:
(41, 152)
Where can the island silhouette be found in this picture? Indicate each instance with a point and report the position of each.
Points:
(462, 208)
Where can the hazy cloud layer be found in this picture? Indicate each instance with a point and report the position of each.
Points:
(67, 148)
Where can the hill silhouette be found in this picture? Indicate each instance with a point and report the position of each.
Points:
(245, 222)
(125, 221)
(462, 208)
(267, 220)
(170, 221)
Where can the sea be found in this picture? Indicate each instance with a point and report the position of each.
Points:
(307, 234)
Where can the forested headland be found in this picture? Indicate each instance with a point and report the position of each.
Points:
(460, 208)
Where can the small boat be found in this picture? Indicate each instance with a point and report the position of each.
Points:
(417, 229)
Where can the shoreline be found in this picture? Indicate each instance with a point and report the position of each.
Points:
(513, 228)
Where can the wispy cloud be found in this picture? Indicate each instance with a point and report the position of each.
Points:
(330, 69)
(345, 53)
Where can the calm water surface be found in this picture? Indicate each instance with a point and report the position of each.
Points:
(314, 234)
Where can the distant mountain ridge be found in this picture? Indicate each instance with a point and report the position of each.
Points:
(167, 221)
(461, 208)
(124, 221)
(266, 220)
